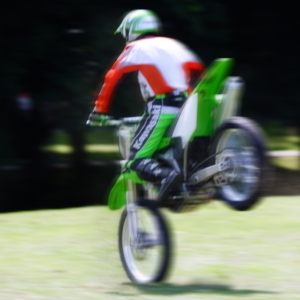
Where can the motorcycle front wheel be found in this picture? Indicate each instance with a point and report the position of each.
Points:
(146, 256)
(239, 147)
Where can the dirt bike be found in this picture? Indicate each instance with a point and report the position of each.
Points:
(221, 156)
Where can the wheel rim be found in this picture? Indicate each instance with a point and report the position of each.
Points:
(237, 150)
(143, 254)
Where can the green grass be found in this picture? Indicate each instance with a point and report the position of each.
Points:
(291, 163)
(280, 137)
(219, 254)
(100, 145)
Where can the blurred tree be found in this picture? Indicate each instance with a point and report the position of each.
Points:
(59, 50)
(56, 50)
(263, 41)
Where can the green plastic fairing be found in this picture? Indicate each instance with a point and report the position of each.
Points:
(210, 85)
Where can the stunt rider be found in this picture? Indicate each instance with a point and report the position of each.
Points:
(167, 71)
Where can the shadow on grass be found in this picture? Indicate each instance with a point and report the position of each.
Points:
(201, 288)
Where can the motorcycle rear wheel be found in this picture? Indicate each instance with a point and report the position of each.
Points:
(239, 143)
(146, 257)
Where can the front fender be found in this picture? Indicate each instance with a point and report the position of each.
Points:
(117, 195)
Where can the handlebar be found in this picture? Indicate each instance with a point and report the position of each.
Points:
(126, 128)
(115, 123)
(131, 120)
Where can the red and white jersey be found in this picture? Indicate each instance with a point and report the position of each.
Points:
(163, 65)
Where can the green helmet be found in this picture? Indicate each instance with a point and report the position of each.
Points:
(138, 22)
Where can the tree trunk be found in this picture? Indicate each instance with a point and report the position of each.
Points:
(78, 157)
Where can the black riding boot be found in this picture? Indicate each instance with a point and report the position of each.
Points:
(150, 170)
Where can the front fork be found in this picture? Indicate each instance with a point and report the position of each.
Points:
(131, 205)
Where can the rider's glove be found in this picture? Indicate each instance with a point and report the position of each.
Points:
(97, 119)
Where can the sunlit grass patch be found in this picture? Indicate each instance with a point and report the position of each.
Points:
(218, 254)
(281, 138)
(62, 149)
(102, 148)
(291, 163)
(66, 149)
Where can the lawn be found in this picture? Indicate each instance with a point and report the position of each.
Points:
(218, 254)
(280, 137)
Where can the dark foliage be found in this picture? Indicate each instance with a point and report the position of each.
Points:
(57, 51)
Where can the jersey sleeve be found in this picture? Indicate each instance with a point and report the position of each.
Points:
(121, 66)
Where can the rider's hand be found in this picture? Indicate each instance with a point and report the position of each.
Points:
(97, 119)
